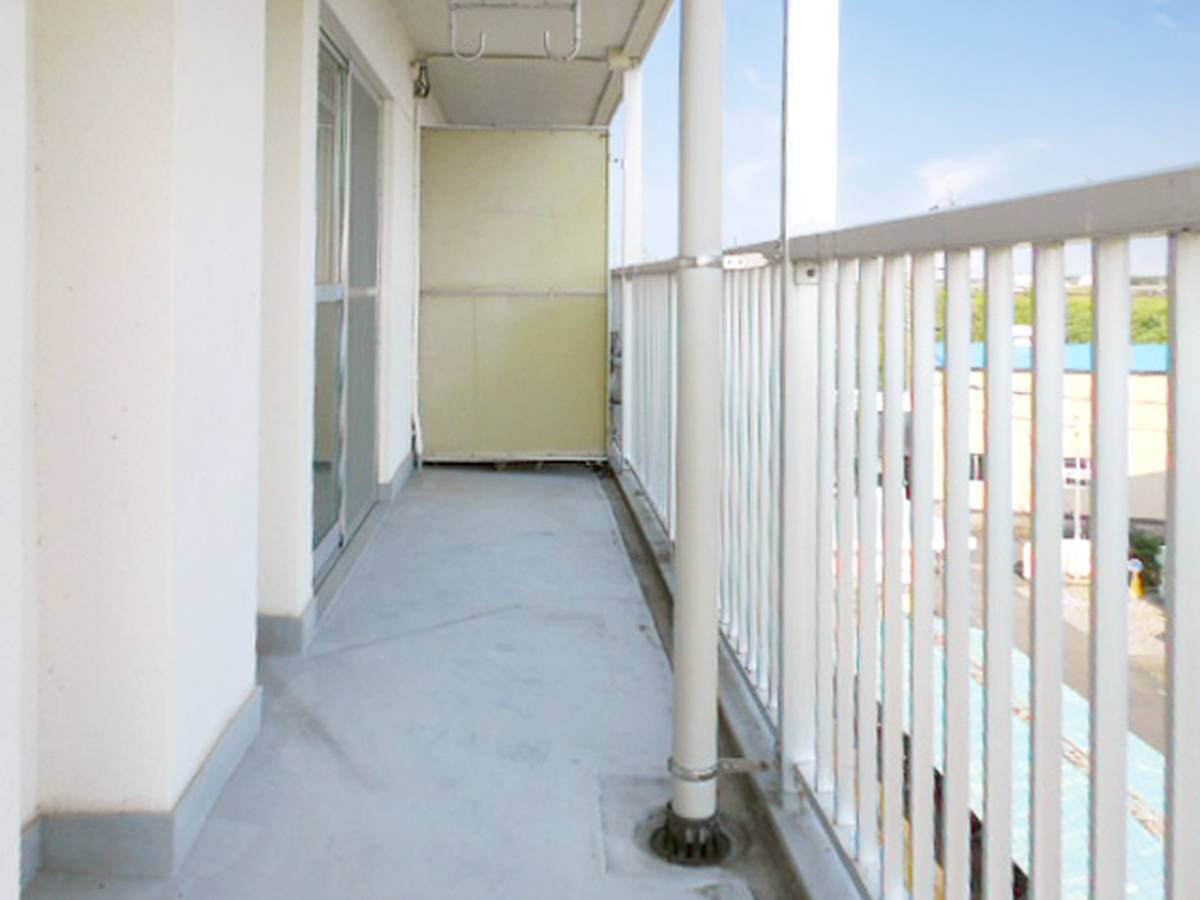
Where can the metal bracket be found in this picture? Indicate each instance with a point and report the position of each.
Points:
(457, 6)
(702, 262)
(730, 262)
(684, 773)
(465, 57)
(739, 261)
(577, 46)
(805, 273)
(725, 766)
(739, 766)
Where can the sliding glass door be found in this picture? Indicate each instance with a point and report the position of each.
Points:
(347, 281)
(361, 483)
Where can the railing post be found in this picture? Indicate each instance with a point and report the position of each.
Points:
(691, 831)
(1109, 531)
(808, 191)
(1183, 582)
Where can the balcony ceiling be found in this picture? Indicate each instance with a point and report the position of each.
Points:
(514, 84)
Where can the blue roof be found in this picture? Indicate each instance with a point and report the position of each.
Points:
(1148, 359)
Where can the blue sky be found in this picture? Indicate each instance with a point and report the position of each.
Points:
(942, 100)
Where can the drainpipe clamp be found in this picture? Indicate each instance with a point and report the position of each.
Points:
(702, 262)
(725, 766)
(686, 773)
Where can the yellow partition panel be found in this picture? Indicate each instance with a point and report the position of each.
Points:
(513, 294)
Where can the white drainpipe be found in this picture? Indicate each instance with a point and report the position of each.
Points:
(698, 455)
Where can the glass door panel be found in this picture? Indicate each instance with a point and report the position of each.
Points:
(363, 254)
(330, 345)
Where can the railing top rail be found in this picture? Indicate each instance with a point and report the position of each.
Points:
(661, 267)
(1148, 204)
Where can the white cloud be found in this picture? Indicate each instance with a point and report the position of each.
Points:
(949, 180)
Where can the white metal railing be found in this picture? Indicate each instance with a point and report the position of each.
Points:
(648, 412)
(888, 618)
(750, 572)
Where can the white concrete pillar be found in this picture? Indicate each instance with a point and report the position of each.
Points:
(13, 174)
(811, 130)
(288, 313)
(148, 211)
(631, 229)
(809, 203)
(698, 457)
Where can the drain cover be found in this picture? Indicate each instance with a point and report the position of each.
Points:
(691, 842)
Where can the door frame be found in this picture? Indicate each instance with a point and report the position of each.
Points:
(328, 549)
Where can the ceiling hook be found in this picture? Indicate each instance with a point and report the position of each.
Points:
(465, 57)
(577, 8)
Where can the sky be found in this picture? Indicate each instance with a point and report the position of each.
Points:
(941, 102)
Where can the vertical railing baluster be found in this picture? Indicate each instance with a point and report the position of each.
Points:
(630, 350)
(646, 474)
(773, 275)
(742, 438)
(727, 463)
(646, 302)
(846, 399)
(826, 501)
(921, 698)
(660, 406)
(1109, 527)
(673, 396)
(1183, 577)
(743, 316)
(653, 430)
(625, 283)
(640, 381)
(755, 410)
(956, 377)
(664, 393)
(1049, 335)
(998, 577)
(800, 500)
(869, 285)
(765, 494)
(892, 750)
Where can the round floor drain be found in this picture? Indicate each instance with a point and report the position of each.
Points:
(692, 842)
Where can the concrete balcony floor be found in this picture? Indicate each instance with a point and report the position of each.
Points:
(485, 713)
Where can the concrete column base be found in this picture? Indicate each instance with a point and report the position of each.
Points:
(291, 635)
(141, 845)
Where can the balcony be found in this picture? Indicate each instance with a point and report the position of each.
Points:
(372, 535)
(484, 713)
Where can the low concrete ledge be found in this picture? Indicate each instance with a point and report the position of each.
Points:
(291, 635)
(142, 845)
(287, 635)
(818, 862)
(391, 490)
(31, 851)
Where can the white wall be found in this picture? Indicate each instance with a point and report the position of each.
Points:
(147, 277)
(103, 201)
(13, 88)
(289, 235)
(371, 32)
(218, 143)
